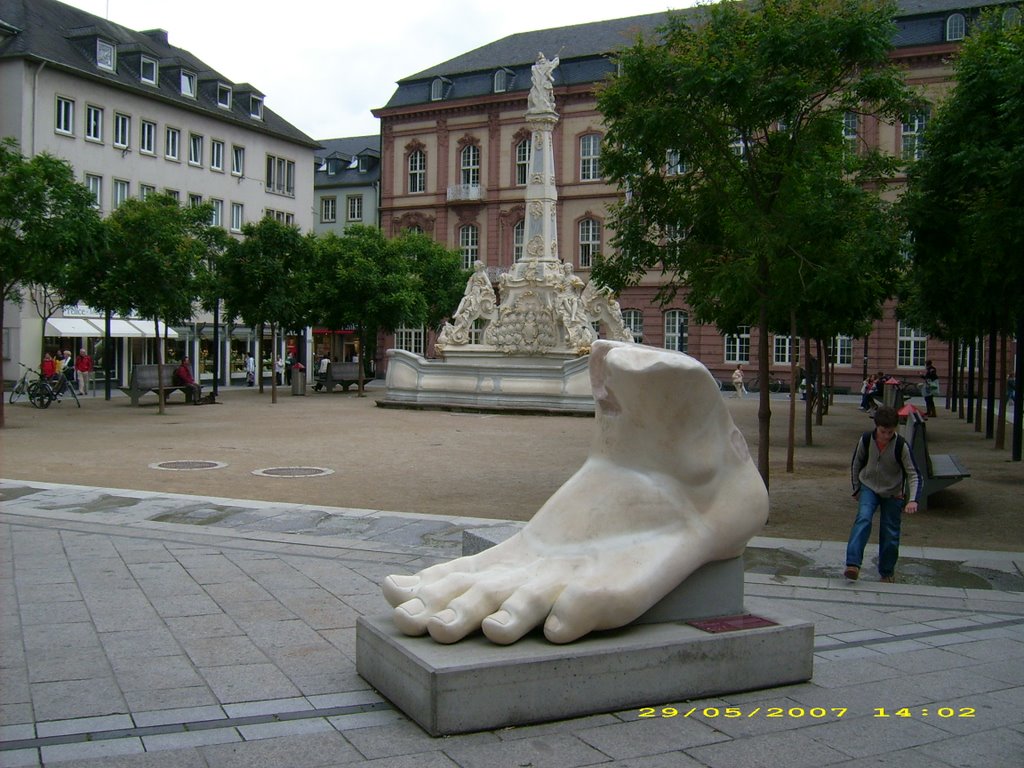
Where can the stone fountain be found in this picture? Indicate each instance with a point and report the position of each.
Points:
(524, 346)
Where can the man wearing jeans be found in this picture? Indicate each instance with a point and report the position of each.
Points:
(882, 471)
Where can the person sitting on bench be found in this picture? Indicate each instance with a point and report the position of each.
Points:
(183, 378)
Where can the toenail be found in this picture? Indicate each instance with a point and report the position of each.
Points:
(447, 616)
(500, 617)
(413, 607)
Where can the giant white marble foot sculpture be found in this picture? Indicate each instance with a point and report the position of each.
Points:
(668, 486)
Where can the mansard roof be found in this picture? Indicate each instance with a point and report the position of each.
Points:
(584, 50)
(342, 156)
(65, 37)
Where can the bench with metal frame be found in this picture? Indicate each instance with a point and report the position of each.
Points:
(144, 379)
(938, 471)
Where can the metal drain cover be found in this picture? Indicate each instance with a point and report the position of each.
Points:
(293, 472)
(187, 464)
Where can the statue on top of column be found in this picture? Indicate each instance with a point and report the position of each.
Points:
(542, 92)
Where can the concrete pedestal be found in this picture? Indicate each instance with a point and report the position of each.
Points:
(475, 685)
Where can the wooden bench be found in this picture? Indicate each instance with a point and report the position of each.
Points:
(938, 471)
(144, 379)
(345, 374)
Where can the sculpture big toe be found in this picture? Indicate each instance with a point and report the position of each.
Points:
(668, 486)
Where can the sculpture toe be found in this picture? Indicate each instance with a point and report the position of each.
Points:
(400, 588)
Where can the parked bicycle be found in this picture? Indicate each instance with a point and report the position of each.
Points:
(42, 391)
(20, 389)
(774, 385)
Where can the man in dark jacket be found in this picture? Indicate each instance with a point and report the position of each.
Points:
(884, 476)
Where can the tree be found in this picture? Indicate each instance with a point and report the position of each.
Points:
(442, 280)
(726, 135)
(965, 204)
(158, 253)
(46, 223)
(267, 278)
(369, 282)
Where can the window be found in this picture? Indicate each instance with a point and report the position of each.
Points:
(674, 164)
(328, 209)
(912, 347)
(93, 123)
(677, 330)
(590, 242)
(237, 217)
(148, 70)
(195, 149)
(216, 155)
(523, 149)
(145, 190)
(409, 339)
(956, 26)
(471, 166)
(122, 190)
(188, 83)
(738, 145)
(256, 107)
(590, 157)
(217, 215)
(851, 130)
(65, 116)
(633, 319)
(223, 95)
(469, 244)
(280, 175)
(842, 350)
(518, 239)
(173, 194)
(737, 346)
(238, 161)
(95, 186)
(782, 350)
(122, 130)
(364, 163)
(105, 58)
(912, 136)
(194, 200)
(437, 89)
(283, 217)
(147, 137)
(355, 208)
(417, 171)
(500, 81)
(1011, 17)
(172, 143)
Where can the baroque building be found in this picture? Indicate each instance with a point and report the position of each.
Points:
(134, 115)
(455, 148)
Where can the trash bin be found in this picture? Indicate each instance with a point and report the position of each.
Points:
(892, 395)
(298, 379)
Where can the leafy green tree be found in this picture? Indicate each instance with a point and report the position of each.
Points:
(442, 280)
(158, 254)
(369, 282)
(46, 223)
(726, 135)
(265, 279)
(965, 204)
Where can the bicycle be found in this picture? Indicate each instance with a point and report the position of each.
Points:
(42, 391)
(20, 389)
(774, 385)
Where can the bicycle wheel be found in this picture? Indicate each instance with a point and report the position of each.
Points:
(16, 392)
(40, 395)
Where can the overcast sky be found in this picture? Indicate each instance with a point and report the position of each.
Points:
(324, 64)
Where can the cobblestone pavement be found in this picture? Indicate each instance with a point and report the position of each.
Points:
(154, 629)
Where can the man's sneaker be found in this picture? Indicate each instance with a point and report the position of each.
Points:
(852, 572)
(890, 579)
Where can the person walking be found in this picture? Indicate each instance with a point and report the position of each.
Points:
(737, 382)
(84, 367)
(250, 370)
(931, 388)
(884, 477)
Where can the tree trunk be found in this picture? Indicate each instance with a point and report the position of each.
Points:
(970, 381)
(990, 395)
(273, 363)
(1001, 424)
(259, 357)
(808, 399)
(819, 382)
(981, 383)
(160, 397)
(361, 358)
(764, 408)
(1018, 395)
(791, 437)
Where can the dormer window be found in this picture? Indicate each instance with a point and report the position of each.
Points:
(105, 58)
(223, 96)
(188, 83)
(148, 70)
(956, 27)
(364, 164)
(500, 81)
(256, 107)
(437, 89)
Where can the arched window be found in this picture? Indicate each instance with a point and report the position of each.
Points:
(523, 149)
(518, 238)
(500, 81)
(437, 89)
(633, 319)
(469, 244)
(590, 242)
(417, 171)
(471, 166)
(956, 26)
(677, 330)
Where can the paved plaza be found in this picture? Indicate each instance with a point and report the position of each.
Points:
(158, 628)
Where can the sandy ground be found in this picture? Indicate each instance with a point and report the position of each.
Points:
(482, 465)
